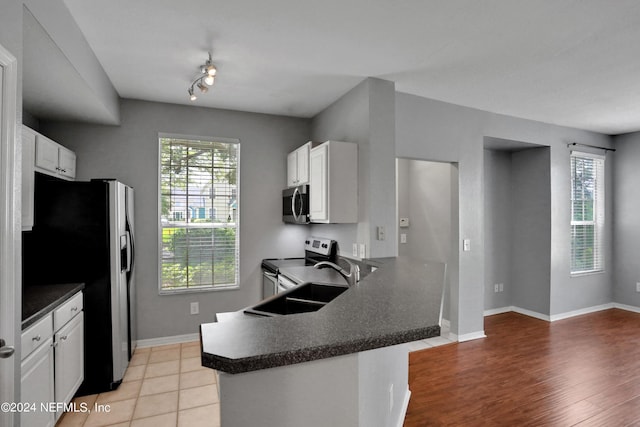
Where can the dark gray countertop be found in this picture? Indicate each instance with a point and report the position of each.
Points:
(400, 302)
(40, 300)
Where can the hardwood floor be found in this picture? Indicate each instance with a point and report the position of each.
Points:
(580, 371)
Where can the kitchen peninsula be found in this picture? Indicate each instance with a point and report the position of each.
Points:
(343, 365)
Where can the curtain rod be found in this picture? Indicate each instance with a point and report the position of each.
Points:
(591, 146)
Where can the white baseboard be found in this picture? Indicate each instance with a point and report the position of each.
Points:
(471, 336)
(626, 307)
(405, 407)
(574, 313)
(566, 315)
(531, 313)
(176, 339)
(499, 310)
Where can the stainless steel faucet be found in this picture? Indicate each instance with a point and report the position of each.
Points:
(352, 277)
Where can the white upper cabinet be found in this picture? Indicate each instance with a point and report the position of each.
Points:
(333, 182)
(40, 154)
(53, 159)
(298, 166)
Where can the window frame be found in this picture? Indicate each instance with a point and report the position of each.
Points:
(599, 214)
(211, 288)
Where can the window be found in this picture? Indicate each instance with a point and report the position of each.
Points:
(587, 213)
(199, 213)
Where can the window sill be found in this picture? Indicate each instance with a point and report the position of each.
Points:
(586, 273)
(198, 290)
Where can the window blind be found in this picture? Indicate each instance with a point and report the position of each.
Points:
(199, 214)
(587, 213)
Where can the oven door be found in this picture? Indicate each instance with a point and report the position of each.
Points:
(269, 284)
(284, 283)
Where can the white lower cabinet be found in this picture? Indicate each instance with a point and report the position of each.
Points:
(37, 386)
(69, 359)
(53, 364)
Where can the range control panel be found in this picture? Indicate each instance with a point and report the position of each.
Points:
(319, 245)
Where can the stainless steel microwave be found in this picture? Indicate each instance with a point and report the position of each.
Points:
(295, 205)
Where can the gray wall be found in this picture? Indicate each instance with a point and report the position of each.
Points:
(129, 152)
(531, 229)
(365, 115)
(432, 130)
(626, 180)
(497, 228)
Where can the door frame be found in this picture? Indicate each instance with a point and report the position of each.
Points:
(10, 230)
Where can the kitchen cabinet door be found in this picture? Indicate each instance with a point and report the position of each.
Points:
(37, 384)
(69, 359)
(318, 198)
(298, 166)
(292, 169)
(28, 176)
(66, 162)
(302, 164)
(333, 183)
(46, 154)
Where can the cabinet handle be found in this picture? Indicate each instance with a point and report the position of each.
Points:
(54, 344)
(36, 338)
(63, 338)
(74, 309)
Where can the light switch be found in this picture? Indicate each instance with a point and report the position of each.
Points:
(466, 245)
(363, 252)
(403, 238)
(354, 250)
(381, 233)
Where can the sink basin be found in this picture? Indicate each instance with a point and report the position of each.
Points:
(305, 298)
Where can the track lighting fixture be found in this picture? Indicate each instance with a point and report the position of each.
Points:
(208, 71)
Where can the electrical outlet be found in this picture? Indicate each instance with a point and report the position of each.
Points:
(391, 398)
(501, 286)
(354, 250)
(637, 286)
(496, 288)
(362, 251)
(195, 308)
(403, 238)
(381, 233)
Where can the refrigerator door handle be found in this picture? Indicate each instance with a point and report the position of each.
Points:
(131, 248)
(124, 252)
(129, 252)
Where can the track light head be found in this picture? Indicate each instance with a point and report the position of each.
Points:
(202, 87)
(207, 75)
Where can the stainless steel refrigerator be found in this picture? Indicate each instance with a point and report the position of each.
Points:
(84, 232)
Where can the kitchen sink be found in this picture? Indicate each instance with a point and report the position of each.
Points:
(305, 298)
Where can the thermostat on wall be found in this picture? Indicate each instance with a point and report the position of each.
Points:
(404, 222)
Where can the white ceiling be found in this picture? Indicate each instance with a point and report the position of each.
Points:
(569, 62)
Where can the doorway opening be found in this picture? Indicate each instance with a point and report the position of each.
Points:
(428, 223)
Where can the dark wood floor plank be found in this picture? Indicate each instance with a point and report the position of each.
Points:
(531, 372)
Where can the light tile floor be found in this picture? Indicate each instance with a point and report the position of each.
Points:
(432, 342)
(166, 386)
(163, 387)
